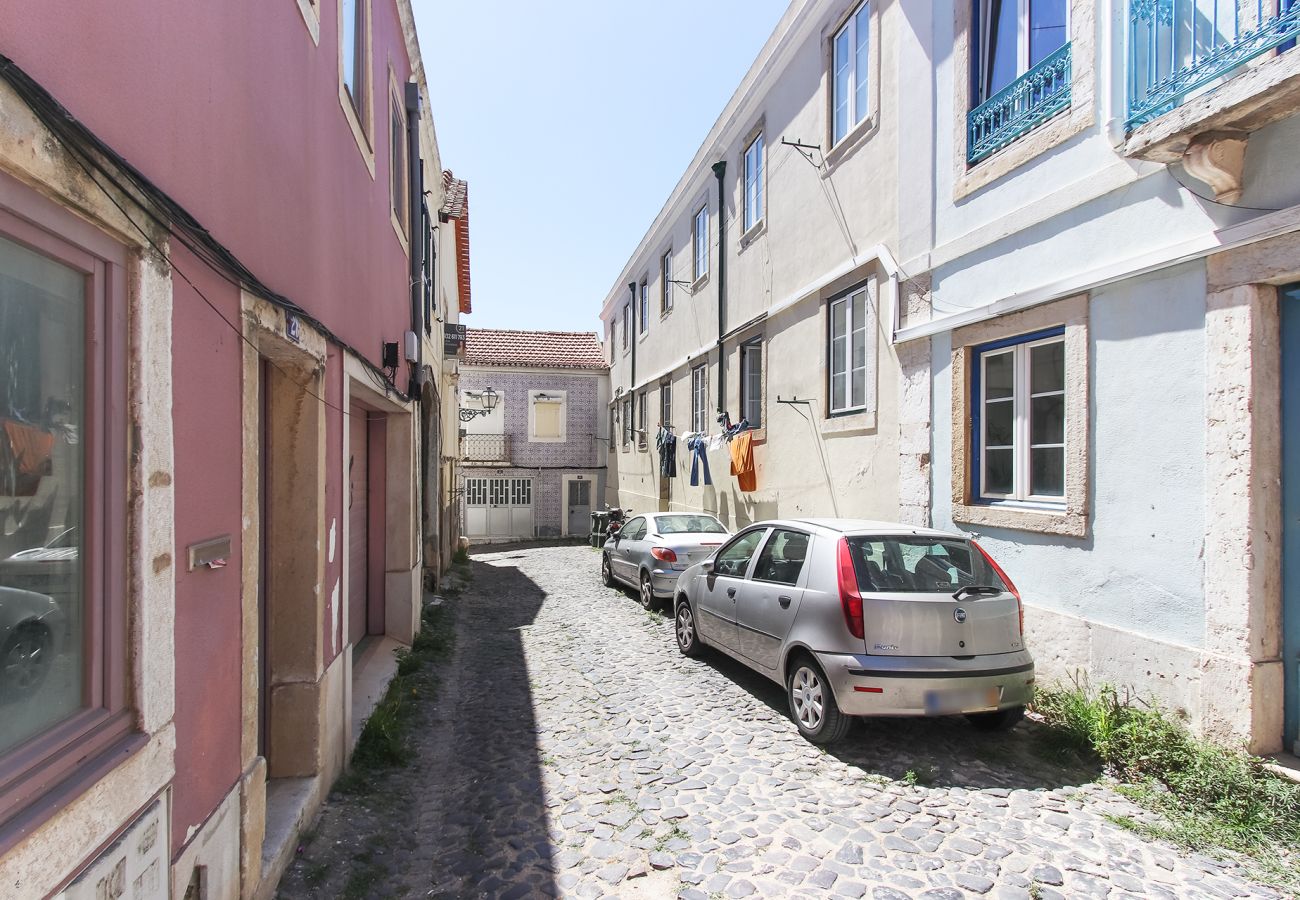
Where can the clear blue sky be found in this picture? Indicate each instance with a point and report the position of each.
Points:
(572, 121)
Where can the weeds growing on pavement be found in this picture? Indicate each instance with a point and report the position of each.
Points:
(385, 738)
(1207, 797)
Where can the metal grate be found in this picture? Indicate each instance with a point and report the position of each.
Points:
(1020, 107)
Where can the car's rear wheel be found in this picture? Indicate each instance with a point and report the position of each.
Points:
(606, 573)
(1002, 720)
(688, 640)
(812, 703)
(25, 660)
(647, 592)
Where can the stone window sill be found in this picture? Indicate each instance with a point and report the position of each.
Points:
(849, 424)
(1044, 521)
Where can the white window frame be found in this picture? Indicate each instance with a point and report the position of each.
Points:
(626, 412)
(858, 74)
(1022, 43)
(627, 325)
(557, 397)
(666, 403)
(666, 282)
(1022, 447)
(869, 345)
(751, 383)
(700, 243)
(643, 307)
(753, 176)
(642, 417)
(699, 398)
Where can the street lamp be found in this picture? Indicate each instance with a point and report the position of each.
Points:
(489, 400)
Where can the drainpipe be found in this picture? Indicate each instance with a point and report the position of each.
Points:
(631, 338)
(720, 170)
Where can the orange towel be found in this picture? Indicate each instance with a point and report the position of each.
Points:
(742, 461)
(31, 448)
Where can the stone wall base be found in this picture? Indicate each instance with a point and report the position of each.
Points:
(210, 861)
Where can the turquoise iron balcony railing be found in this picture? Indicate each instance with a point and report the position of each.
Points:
(1177, 47)
(1021, 106)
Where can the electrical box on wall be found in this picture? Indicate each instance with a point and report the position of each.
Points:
(390, 355)
(412, 347)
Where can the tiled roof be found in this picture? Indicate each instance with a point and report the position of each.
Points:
(455, 206)
(534, 349)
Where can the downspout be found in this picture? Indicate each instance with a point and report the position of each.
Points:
(415, 232)
(720, 171)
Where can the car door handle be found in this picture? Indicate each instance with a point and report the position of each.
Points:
(784, 601)
(731, 592)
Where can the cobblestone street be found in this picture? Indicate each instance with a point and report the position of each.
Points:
(572, 751)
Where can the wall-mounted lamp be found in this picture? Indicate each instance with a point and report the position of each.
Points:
(489, 400)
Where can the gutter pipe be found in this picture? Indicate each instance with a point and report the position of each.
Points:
(720, 171)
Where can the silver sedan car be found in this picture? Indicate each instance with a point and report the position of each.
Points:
(650, 551)
(859, 618)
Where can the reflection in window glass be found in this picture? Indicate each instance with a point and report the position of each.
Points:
(42, 422)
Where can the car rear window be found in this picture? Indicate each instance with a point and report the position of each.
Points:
(912, 564)
(688, 525)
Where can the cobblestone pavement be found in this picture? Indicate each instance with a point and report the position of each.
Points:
(574, 752)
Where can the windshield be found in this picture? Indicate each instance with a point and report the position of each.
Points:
(688, 525)
(920, 565)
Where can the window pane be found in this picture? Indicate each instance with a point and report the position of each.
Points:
(859, 383)
(782, 558)
(1047, 32)
(839, 353)
(862, 26)
(997, 471)
(1047, 472)
(1047, 368)
(42, 410)
(1001, 48)
(998, 424)
(349, 41)
(734, 559)
(838, 385)
(998, 375)
(859, 346)
(1046, 419)
(840, 100)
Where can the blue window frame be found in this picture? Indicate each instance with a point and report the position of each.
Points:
(1018, 420)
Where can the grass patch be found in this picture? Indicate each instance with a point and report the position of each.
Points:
(385, 738)
(675, 834)
(1208, 797)
(460, 557)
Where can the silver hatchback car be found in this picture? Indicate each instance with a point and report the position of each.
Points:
(860, 618)
(650, 551)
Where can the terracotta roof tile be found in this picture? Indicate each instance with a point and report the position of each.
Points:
(534, 349)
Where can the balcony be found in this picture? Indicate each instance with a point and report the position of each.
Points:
(1020, 107)
(485, 449)
(1197, 66)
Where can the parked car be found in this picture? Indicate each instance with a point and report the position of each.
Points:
(861, 618)
(650, 551)
(29, 623)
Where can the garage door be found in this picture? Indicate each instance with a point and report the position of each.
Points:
(499, 507)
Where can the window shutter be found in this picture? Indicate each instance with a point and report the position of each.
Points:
(546, 418)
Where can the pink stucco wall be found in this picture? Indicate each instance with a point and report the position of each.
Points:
(233, 110)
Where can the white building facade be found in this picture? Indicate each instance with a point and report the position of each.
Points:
(1077, 225)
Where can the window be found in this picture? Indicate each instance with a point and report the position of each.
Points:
(355, 43)
(733, 559)
(627, 421)
(689, 524)
(613, 428)
(63, 464)
(1019, 401)
(634, 530)
(754, 182)
(428, 267)
(700, 242)
(627, 323)
(666, 404)
(751, 382)
(1013, 37)
(666, 281)
(699, 400)
(782, 559)
(642, 404)
(908, 564)
(849, 71)
(644, 311)
(546, 416)
(851, 343)
(397, 161)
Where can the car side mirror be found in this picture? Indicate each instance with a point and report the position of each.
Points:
(707, 565)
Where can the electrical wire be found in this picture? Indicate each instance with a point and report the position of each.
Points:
(1265, 209)
(84, 146)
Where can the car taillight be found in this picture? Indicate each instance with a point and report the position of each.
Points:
(1020, 606)
(663, 554)
(850, 599)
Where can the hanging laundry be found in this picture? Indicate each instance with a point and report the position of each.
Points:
(666, 443)
(742, 461)
(715, 442)
(699, 460)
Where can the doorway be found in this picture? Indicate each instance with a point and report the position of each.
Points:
(577, 502)
(1289, 299)
(367, 486)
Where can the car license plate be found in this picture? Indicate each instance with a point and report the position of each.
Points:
(947, 703)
